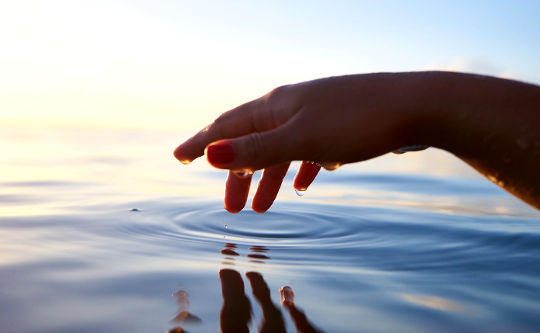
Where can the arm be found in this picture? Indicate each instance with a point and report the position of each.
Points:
(490, 123)
(493, 125)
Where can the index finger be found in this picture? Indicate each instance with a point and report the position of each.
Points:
(236, 122)
(259, 115)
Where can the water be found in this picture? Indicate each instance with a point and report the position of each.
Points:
(102, 231)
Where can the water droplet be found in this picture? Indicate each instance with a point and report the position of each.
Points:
(134, 210)
(244, 173)
(300, 193)
(226, 226)
(185, 162)
(330, 166)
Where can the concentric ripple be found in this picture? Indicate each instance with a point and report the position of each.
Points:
(290, 226)
(333, 234)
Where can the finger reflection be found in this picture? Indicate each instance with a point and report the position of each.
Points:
(258, 254)
(229, 250)
(300, 320)
(236, 311)
(272, 318)
(183, 315)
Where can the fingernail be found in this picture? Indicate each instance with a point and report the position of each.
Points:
(220, 153)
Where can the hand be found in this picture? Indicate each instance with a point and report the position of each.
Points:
(327, 122)
(490, 123)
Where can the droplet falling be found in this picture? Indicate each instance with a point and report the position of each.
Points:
(300, 193)
(226, 226)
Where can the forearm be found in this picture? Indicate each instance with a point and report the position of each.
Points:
(492, 124)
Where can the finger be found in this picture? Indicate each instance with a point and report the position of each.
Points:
(236, 192)
(235, 122)
(269, 186)
(262, 114)
(259, 115)
(305, 176)
(259, 150)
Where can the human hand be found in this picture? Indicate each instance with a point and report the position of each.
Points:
(327, 122)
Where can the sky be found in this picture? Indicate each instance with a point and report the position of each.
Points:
(178, 64)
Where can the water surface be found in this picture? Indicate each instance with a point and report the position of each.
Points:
(102, 231)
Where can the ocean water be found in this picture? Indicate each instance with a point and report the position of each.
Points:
(103, 231)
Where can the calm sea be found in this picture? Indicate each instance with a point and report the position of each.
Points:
(103, 231)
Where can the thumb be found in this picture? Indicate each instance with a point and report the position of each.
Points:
(254, 151)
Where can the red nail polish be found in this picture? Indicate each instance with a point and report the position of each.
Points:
(220, 153)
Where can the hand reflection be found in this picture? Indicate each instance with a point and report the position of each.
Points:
(236, 310)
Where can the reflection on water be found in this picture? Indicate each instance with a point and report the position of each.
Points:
(99, 228)
(433, 302)
(229, 250)
(184, 316)
(257, 253)
(236, 312)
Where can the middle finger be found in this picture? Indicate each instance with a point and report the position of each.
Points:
(236, 191)
(269, 186)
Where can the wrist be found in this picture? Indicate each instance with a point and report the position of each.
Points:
(423, 108)
(442, 108)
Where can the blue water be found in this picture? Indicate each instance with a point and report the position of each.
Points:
(119, 237)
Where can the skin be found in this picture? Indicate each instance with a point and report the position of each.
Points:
(490, 123)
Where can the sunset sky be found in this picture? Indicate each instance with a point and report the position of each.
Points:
(178, 64)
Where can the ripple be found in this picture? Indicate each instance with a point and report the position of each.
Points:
(333, 236)
(291, 226)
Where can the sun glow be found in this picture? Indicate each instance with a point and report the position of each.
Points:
(177, 65)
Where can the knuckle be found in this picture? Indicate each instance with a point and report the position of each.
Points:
(311, 147)
(254, 149)
(282, 102)
(218, 126)
(277, 93)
